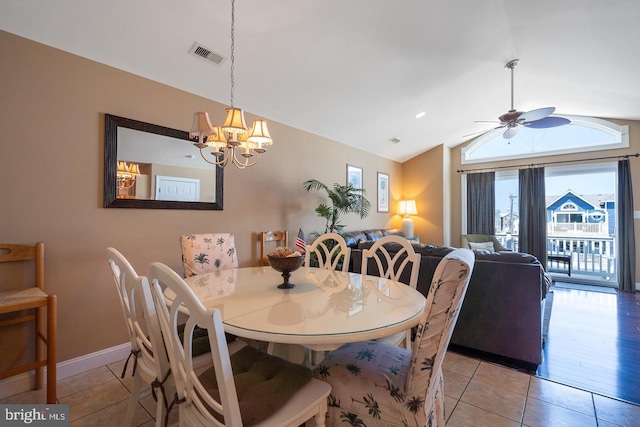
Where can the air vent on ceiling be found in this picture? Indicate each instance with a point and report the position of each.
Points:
(207, 54)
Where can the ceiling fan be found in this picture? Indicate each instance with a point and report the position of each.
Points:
(537, 119)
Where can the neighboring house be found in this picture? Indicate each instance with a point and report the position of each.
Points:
(581, 223)
(571, 213)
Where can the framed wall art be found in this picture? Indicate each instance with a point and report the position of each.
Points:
(354, 176)
(383, 192)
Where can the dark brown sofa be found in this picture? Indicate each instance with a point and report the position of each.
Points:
(502, 313)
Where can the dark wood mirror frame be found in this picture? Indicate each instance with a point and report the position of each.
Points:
(111, 124)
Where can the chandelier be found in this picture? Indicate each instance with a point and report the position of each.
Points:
(232, 142)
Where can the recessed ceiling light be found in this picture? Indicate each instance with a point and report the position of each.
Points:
(420, 114)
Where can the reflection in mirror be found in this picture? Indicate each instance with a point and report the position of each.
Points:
(151, 166)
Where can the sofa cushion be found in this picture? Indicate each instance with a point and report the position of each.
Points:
(483, 245)
(392, 232)
(518, 257)
(374, 235)
(352, 238)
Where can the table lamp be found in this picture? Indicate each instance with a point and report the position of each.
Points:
(407, 208)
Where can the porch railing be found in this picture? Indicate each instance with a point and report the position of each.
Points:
(591, 257)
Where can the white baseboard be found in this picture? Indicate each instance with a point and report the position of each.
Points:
(68, 368)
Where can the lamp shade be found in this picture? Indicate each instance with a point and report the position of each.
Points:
(201, 125)
(235, 121)
(260, 133)
(217, 139)
(407, 207)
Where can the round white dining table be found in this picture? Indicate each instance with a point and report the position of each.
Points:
(325, 308)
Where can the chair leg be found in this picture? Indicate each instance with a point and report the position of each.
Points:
(160, 411)
(52, 337)
(133, 400)
(439, 406)
(39, 346)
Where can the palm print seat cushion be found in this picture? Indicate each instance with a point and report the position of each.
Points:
(206, 253)
(376, 384)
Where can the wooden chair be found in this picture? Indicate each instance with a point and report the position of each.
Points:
(379, 384)
(280, 238)
(34, 298)
(331, 250)
(392, 268)
(249, 387)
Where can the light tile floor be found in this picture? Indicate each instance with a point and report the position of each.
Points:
(477, 393)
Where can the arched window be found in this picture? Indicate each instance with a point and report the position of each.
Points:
(569, 206)
(582, 134)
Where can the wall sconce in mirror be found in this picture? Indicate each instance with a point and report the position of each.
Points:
(126, 174)
(153, 167)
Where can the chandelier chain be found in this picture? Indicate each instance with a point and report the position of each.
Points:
(233, 24)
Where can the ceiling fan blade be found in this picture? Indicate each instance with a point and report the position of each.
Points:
(548, 122)
(537, 114)
(511, 132)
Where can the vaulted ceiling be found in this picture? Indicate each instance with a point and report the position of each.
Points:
(358, 71)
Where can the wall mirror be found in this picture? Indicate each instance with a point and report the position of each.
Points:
(154, 167)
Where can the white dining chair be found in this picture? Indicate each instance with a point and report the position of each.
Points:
(248, 387)
(376, 384)
(330, 250)
(391, 264)
(150, 362)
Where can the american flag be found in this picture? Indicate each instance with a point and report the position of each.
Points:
(300, 241)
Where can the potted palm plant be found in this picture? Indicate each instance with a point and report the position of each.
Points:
(344, 199)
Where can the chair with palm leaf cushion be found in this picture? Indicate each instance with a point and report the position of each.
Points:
(205, 253)
(376, 384)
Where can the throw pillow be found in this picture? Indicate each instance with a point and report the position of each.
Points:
(488, 246)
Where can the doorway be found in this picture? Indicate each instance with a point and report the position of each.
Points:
(581, 220)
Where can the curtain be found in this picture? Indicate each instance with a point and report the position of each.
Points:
(533, 214)
(481, 202)
(626, 231)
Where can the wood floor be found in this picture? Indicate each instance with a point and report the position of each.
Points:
(594, 343)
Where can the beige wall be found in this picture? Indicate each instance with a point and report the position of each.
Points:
(423, 182)
(51, 173)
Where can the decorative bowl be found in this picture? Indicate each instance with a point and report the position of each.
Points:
(286, 265)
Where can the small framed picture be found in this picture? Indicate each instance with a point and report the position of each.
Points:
(354, 176)
(383, 192)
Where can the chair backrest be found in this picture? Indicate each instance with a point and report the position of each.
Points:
(144, 330)
(444, 300)
(330, 250)
(188, 384)
(281, 238)
(392, 267)
(465, 239)
(205, 253)
(10, 253)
